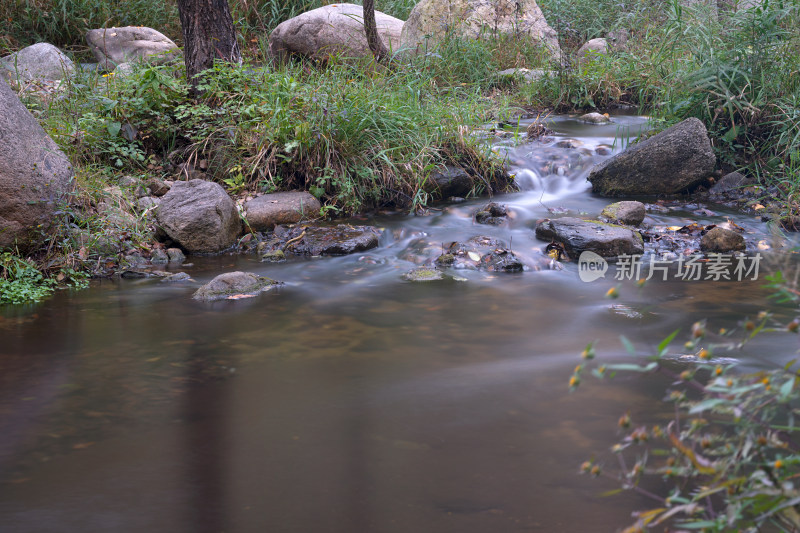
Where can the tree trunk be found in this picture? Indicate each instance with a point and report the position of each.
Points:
(208, 35)
(371, 29)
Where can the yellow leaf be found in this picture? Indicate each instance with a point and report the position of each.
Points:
(696, 460)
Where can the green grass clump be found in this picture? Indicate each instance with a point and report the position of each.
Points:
(64, 23)
(356, 138)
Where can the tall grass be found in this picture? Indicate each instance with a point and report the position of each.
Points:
(64, 23)
(355, 137)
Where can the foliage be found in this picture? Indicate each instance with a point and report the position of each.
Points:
(64, 23)
(728, 460)
(359, 139)
(21, 282)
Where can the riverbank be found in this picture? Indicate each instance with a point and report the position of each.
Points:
(360, 139)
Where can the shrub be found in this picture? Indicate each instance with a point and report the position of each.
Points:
(728, 460)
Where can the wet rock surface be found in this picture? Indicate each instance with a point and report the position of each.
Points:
(577, 235)
(449, 182)
(424, 274)
(595, 118)
(721, 240)
(342, 239)
(676, 160)
(630, 213)
(234, 285)
(492, 213)
(489, 254)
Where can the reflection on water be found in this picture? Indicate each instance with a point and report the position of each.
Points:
(348, 400)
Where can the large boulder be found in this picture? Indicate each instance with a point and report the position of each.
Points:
(35, 175)
(114, 46)
(41, 61)
(265, 212)
(471, 19)
(591, 49)
(336, 29)
(577, 235)
(677, 159)
(200, 216)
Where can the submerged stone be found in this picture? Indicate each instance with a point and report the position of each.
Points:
(493, 213)
(273, 256)
(233, 285)
(424, 274)
(328, 240)
(502, 261)
(606, 240)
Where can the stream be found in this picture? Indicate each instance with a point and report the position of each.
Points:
(350, 400)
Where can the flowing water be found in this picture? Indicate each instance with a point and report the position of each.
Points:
(350, 400)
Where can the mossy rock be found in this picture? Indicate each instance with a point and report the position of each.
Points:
(424, 274)
(234, 285)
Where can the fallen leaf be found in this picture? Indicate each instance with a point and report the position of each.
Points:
(474, 256)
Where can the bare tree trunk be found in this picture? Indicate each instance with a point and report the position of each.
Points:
(208, 35)
(371, 29)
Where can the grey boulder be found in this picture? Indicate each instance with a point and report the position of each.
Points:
(431, 20)
(41, 61)
(265, 212)
(579, 236)
(114, 46)
(676, 160)
(592, 49)
(200, 216)
(35, 175)
(336, 29)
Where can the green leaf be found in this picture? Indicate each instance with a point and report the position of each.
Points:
(631, 367)
(663, 345)
(786, 388)
(706, 404)
(113, 128)
(628, 344)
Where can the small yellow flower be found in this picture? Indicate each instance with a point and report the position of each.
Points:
(704, 354)
(612, 293)
(778, 464)
(718, 370)
(574, 381)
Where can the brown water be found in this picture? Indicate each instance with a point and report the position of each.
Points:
(346, 401)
